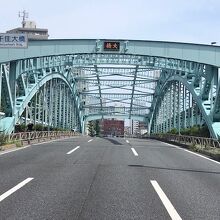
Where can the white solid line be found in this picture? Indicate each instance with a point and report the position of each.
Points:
(22, 148)
(9, 151)
(73, 150)
(166, 202)
(199, 155)
(47, 142)
(172, 145)
(9, 192)
(127, 141)
(134, 151)
(90, 140)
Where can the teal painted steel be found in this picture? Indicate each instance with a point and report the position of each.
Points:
(97, 117)
(204, 106)
(207, 54)
(184, 93)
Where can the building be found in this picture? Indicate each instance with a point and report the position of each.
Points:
(142, 127)
(134, 127)
(127, 131)
(138, 127)
(112, 127)
(30, 28)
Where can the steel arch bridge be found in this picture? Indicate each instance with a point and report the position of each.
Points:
(65, 83)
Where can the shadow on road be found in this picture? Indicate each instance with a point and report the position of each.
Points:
(113, 141)
(173, 169)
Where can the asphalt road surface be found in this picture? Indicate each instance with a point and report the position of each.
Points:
(108, 179)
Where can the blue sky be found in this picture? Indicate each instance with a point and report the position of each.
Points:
(196, 21)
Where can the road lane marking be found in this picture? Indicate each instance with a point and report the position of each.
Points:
(134, 151)
(172, 145)
(22, 148)
(90, 140)
(199, 155)
(73, 150)
(47, 142)
(127, 141)
(166, 202)
(13, 150)
(15, 188)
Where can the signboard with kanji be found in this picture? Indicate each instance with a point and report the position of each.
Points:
(111, 46)
(13, 40)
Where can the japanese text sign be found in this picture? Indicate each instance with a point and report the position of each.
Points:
(13, 40)
(111, 46)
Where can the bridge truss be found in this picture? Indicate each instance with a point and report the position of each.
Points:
(68, 90)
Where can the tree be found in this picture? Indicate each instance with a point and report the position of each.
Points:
(97, 127)
(91, 128)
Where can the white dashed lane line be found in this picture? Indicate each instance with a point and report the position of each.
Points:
(73, 150)
(166, 202)
(14, 189)
(90, 140)
(134, 152)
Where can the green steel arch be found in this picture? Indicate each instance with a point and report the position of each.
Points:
(194, 95)
(23, 96)
(89, 71)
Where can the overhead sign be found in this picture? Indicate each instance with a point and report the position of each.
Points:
(111, 46)
(13, 40)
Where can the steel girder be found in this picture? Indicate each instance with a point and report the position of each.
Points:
(118, 116)
(206, 54)
(82, 60)
(108, 86)
(101, 90)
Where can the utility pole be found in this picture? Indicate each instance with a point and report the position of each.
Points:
(23, 15)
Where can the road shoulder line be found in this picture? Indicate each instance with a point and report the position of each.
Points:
(22, 148)
(13, 150)
(191, 152)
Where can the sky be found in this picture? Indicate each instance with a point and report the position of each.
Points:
(192, 21)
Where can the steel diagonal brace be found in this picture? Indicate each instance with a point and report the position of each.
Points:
(1, 73)
(216, 109)
(208, 80)
(5, 74)
(133, 89)
(99, 85)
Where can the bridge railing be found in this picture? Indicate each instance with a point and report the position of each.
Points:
(188, 140)
(39, 135)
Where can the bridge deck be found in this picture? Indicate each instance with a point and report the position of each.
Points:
(108, 179)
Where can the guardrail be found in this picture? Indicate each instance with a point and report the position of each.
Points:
(38, 135)
(188, 140)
